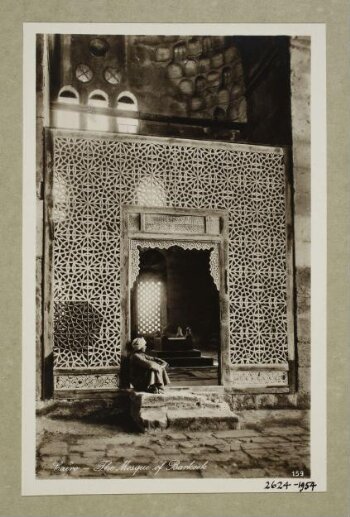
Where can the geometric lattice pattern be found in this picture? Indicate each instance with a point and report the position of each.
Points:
(150, 192)
(148, 306)
(93, 177)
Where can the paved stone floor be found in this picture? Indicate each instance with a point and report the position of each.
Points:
(272, 443)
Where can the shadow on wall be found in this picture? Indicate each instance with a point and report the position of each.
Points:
(76, 327)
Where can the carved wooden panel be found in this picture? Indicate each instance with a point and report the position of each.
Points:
(163, 223)
(86, 382)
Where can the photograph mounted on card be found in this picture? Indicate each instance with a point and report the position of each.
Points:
(170, 346)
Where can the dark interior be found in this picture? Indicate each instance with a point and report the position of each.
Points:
(188, 335)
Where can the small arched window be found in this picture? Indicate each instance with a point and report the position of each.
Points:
(98, 98)
(65, 114)
(96, 120)
(126, 101)
(68, 95)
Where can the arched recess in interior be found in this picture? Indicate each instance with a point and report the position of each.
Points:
(64, 114)
(97, 121)
(127, 101)
(150, 192)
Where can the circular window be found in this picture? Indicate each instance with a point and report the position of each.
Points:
(98, 47)
(83, 73)
(112, 75)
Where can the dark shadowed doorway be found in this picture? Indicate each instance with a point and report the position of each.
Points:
(175, 306)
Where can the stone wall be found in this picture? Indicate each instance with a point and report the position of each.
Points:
(226, 88)
(300, 74)
(195, 77)
(266, 64)
(39, 211)
(300, 89)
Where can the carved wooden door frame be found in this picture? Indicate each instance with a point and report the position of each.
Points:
(210, 232)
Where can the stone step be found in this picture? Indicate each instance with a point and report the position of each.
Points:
(181, 410)
(172, 399)
(189, 362)
(176, 353)
(202, 419)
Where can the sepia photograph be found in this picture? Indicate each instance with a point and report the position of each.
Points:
(172, 177)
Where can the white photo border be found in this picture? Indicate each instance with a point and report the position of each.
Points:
(30, 484)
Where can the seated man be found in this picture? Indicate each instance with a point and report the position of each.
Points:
(146, 373)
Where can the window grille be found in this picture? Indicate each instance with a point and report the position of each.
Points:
(148, 306)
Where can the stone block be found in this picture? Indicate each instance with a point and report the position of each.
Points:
(302, 203)
(252, 473)
(284, 430)
(304, 354)
(145, 453)
(235, 446)
(150, 418)
(302, 179)
(199, 419)
(302, 228)
(304, 379)
(97, 444)
(213, 471)
(77, 459)
(236, 433)
(302, 253)
(186, 445)
(54, 449)
(303, 305)
(222, 447)
(301, 153)
(301, 117)
(199, 434)
(176, 436)
(121, 440)
(303, 281)
(214, 442)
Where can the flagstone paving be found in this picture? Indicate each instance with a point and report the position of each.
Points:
(270, 444)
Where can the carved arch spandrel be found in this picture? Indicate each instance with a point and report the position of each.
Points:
(135, 246)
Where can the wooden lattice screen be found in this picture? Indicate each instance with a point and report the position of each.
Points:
(93, 176)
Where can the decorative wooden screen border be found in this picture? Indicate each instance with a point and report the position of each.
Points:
(95, 175)
(186, 245)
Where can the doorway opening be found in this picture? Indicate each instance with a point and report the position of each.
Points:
(175, 306)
